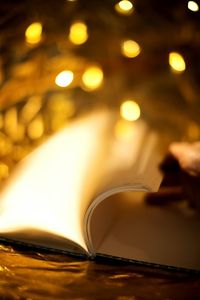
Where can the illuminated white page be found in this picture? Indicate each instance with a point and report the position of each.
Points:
(52, 187)
(132, 164)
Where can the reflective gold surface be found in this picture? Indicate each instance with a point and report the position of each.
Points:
(26, 274)
(33, 107)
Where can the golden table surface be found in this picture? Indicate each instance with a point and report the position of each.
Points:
(28, 274)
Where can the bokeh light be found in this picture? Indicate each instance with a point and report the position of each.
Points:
(35, 129)
(193, 6)
(78, 33)
(177, 62)
(130, 48)
(6, 145)
(10, 121)
(92, 78)
(130, 110)
(30, 109)
(33, 33)
(64, 78)
(124, 7)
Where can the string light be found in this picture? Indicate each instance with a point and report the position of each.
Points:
(33, 33)
(130, 48)
(64, 78)
(130, 110)
(78, 33)
(30, 109)
(92, 78)
(36, 128)
(12, 127)
(124, 7)
(193, 6)
(10, 121)
(176, 62)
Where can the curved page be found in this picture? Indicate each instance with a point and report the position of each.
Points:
(160, 234)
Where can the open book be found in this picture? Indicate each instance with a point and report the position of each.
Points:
(67, 195)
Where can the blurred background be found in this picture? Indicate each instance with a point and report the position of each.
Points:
(61, 58)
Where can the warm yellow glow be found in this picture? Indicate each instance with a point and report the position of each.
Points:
(124, 130)
(10, 121)
(20, 133)
(130, 110)
(92, 78)
(192, 5)
(130, 48)
(176, 62)
(33, 33)
(64, 78)
(4, 171)
(61, 105)
(1, 121)
(36, 128)
(78, 33)
(13, 128)
(20, 151)
(6, 145)
(193, 131)
(124, 7)
(30, 109)
(60, 109)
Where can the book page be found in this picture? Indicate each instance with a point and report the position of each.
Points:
(51, 188)
(166, 235)
(132, 164)
(133, 159)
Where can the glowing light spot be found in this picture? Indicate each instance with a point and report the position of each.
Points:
(33, 33)
(30, 109)
(130, 48)
(13, 128)
(193, 6)
(10, 122)
(36, 128)
(64, 78)
(92, 78)
(130, 110)
(176, 62)
(124, 7)
(78, 33)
